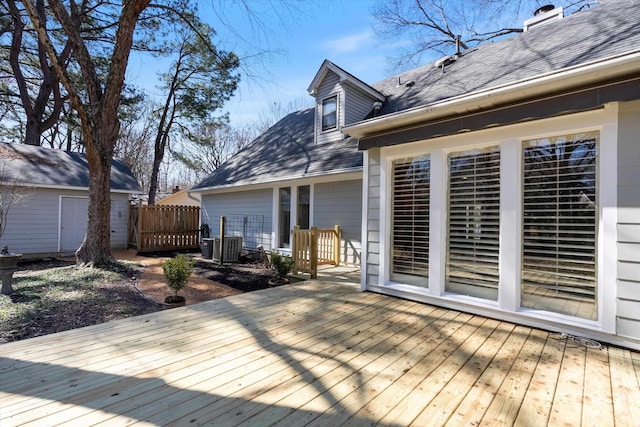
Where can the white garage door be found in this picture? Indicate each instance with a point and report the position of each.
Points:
(73, 222)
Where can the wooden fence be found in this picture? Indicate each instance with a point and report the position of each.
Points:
(315, 247)
(164, 228)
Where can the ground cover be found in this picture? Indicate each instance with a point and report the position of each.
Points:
(54, 295)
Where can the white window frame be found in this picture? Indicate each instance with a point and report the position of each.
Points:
(322, 115)
(510, 139)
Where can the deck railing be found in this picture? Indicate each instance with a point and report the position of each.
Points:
(315, 247)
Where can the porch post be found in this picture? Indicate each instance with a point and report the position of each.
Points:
(337, 241)
(313, 252)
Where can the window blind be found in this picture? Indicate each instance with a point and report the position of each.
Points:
(474, 223)
(410, 220)
(560, 224)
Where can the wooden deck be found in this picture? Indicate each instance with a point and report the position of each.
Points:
(314, 353)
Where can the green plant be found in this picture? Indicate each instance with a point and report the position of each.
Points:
(177, 271)
(282, 264)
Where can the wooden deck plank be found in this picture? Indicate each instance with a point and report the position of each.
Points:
(316, 365)
(568, 401)
(598, 407)
(444, 405)
(538, 400)
(314, 353)
(625, 388)
(506, 403)
(263, 364)
(195, 361)
(122, 363)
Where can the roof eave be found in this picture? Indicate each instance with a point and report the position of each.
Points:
(270, 183)
(578, 76)
(344, 77)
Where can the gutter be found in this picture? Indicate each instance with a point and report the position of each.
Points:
(568, 78)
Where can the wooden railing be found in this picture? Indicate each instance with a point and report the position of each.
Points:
(315, 247)
(162, 228)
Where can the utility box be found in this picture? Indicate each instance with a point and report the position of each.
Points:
(207, 248)
(232, 248)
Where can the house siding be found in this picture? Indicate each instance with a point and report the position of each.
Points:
(256, 205)
(628, 228)
(33, 224)
(330, 86)
(371, 263)
(339, 203)
(357, 105)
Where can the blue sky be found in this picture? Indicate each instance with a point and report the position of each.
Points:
(338, 30)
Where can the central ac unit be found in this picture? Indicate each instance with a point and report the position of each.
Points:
(232, 248)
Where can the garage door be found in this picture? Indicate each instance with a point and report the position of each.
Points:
(73, 222)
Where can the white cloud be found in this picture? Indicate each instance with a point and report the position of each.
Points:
(350, 43)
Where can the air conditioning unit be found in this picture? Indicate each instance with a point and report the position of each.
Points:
(232, 248)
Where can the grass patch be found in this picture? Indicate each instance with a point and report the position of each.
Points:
(57, 298)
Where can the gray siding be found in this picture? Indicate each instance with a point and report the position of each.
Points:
(330, 86)
(339, 203)
(373, 218)
(255, 206)
(357, 104)
(628, 295)
(33, 224)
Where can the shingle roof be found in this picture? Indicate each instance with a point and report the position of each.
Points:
(45, 167)
(286, 151)
(600, 32)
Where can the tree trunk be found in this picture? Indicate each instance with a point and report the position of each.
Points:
(96, 247)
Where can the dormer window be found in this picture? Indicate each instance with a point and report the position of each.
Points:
(330, 113)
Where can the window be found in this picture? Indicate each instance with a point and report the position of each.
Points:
(284, 217)
(304, 197)
(560, 224)
(474, 223)
(330, 113)
(410, 220)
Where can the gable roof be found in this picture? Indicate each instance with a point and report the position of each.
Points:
(328, 66)
(576, 51)
(45, 167)
(286, 151)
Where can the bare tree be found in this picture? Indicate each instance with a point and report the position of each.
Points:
(96, 103)
(36, 85)
(435, 26)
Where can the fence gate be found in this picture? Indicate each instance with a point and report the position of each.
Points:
(164, 228)
(315, 247)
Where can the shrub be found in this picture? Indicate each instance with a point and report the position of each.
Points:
(282, 264)
(177, 271)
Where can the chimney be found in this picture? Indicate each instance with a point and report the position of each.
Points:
(544, 15)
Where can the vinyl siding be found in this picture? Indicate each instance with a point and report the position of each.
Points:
(330, 86)
(255, 205)
(373, 219)
(628, 283)
(357, 104)
(33, 225)
(339, 203)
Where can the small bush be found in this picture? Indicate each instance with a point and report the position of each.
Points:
(282, 264)
(177, 271)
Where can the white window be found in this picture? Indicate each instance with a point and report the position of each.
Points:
(473, 243)
(330, 113)
(410, 220)
(560, 224)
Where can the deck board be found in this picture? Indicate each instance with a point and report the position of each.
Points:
(314, 353)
